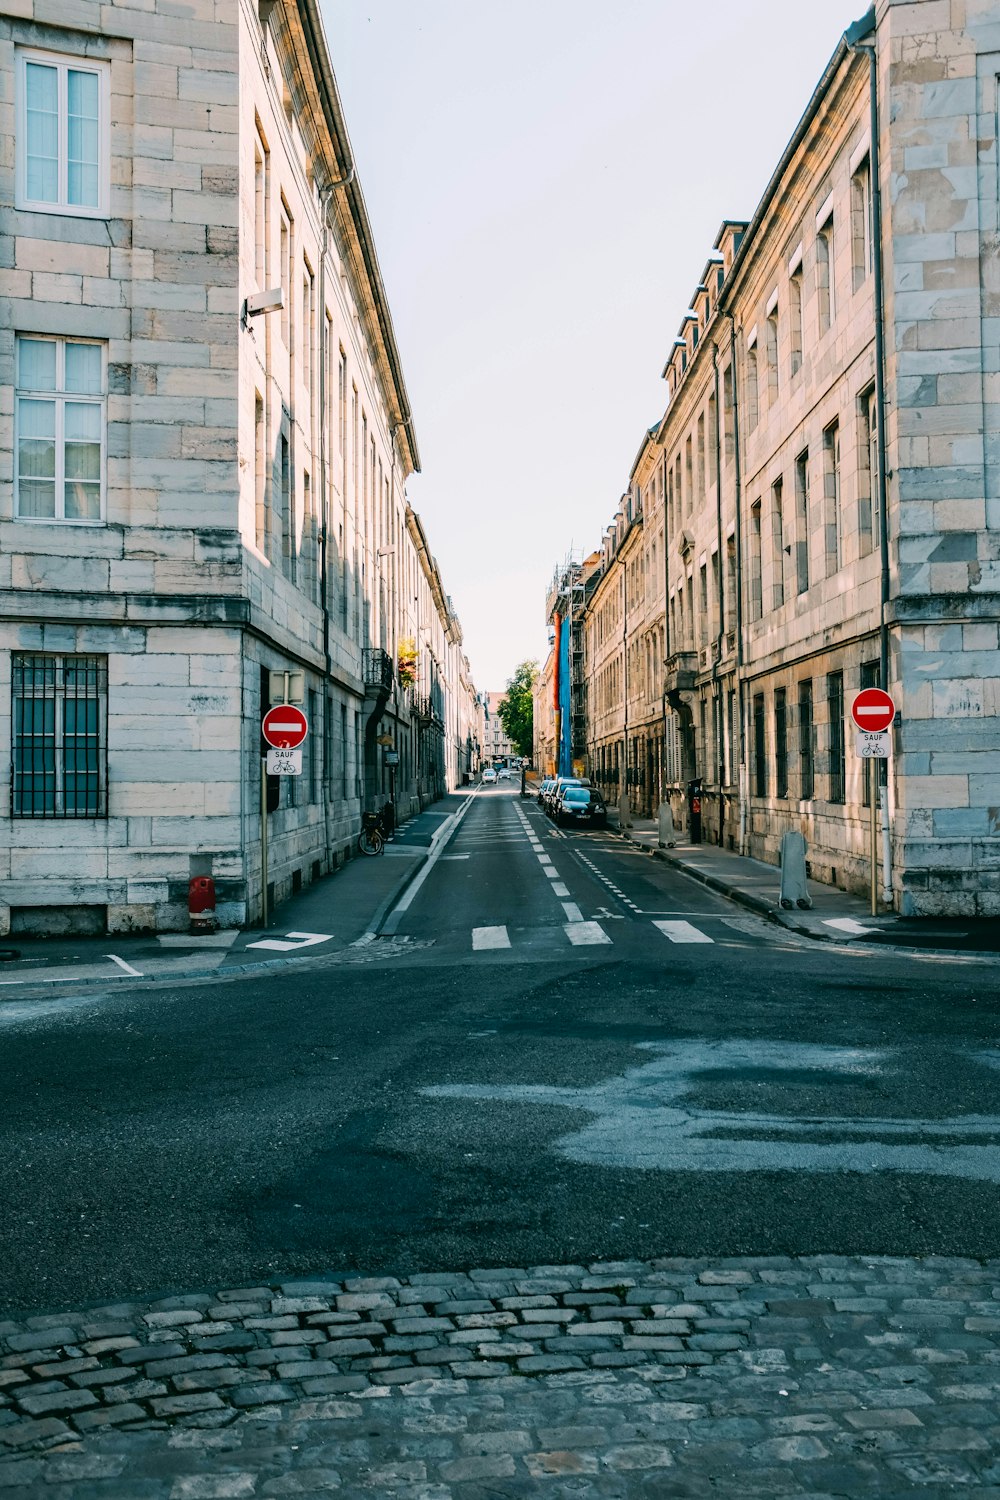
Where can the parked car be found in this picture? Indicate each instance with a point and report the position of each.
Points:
(543, 789)
(489, 776)
(557, 786)
(579, 805)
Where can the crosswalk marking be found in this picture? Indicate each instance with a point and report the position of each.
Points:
(573, 912)
(489, 937)
(584, 934)
(682, 932)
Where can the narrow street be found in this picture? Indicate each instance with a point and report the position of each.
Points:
(560, 1053)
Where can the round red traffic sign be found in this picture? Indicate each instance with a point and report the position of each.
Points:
(284, 727)
(873, 710)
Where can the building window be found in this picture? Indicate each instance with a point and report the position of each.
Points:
(59, 472)
(795, 321)
(835, 713)
(728, 424)
(759, 747)
(285, 272)
(780, 743)
(807, 774)
(771, 354)
(861, 223)
(287, 504)
(756, 595)
(868, 516)
(63, 157)
(777, 544)
(59, 736)
(261, 196)
(831, 498)
(260, 472)
(802, 522)
(824, 275)
(753, 388)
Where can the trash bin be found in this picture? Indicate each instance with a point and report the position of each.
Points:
(694, 810)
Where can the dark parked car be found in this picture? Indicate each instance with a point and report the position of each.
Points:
(581, 806)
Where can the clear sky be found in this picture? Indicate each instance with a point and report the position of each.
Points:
(544, 180)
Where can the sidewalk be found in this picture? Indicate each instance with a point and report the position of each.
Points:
(332, 914)
(835, 916)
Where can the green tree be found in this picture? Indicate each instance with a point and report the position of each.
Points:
(516, 709)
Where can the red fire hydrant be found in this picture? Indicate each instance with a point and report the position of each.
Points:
(201, 903)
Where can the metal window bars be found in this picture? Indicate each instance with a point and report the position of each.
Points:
(59, 762)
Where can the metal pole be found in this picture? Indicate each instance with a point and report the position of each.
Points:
(873, 779)
(263, 839)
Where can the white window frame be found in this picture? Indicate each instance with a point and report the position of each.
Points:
(64, 62)
(60, 397)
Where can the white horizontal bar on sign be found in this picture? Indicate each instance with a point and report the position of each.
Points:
(682, 932)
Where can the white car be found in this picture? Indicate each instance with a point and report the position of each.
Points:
(503, 774)
(489, 776)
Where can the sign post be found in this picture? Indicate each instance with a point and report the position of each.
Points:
(873, 711)
(284, 728)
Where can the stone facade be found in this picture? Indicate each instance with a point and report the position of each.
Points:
(752, 582)
(493, 738)
(249, 512)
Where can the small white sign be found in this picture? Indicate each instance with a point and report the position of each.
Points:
(873, 746)
(284, 763)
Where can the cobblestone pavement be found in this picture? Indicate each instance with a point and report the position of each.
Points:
(819, 1376)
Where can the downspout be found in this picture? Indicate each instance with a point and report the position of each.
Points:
(666, 622)
(744, 779)
(719, 707)
(868, 45)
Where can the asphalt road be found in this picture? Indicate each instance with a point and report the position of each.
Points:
(578, 1083)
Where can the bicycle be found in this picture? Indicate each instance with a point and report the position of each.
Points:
(371, 839)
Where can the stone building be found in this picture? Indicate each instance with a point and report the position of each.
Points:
(493, 737)
(543, 718)
(819, 508)
(208, 436)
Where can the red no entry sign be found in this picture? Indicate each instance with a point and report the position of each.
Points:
(284, 727)
(873, 710)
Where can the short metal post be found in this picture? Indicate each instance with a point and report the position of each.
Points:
(263, 839)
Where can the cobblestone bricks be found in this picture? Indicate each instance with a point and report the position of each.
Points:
(744, 1378)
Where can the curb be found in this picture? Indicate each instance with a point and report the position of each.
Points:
(785, 919)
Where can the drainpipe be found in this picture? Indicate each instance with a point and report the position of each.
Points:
(868, 46)
(719, 713)
(666, 623)
(744, 779)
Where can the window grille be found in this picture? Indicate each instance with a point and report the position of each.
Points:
(59, 736)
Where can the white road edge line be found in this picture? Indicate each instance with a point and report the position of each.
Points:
(123, 965)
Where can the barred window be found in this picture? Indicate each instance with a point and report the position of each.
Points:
(59, 736)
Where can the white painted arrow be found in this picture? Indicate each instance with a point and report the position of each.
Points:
(293, 940)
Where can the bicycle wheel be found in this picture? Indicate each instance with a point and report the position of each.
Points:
(370, 841)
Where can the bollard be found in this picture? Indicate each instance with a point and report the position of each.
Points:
(624, 813)
(668, 834)
(794, 891)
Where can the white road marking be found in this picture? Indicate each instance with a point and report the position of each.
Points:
(454, 856)
(489, 937)
(123, 965)
(544, 861)
(847, 924)
(682, 932)
(553, 874)
(573, 912)
(560, 890)
(293, 940)
(584, 934)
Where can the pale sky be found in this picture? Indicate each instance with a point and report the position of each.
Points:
(544, 180)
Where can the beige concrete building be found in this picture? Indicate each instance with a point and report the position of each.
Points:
(207, 437)
(823, 506)
(493, 737)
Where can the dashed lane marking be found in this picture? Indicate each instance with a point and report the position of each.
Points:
(682, 932)
(489, 937)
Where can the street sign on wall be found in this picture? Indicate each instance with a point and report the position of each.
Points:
(284, 727)
(873, 710)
